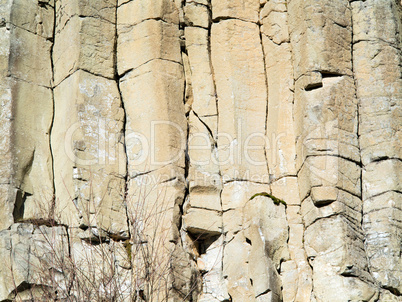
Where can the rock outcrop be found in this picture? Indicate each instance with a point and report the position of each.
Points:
(136, 136)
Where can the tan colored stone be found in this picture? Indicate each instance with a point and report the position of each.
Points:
(348, 205)
(381, 223)
(326, 119)
(281, 151)
(275, 26)
(205, 197)
(156, 127)
(379, 126)
(88, 152)
(263, 217)
(153, 208)
(340, 260)
(130, 13)
(26, 110)
(196, 15)
(244, 10)
(295, 243)
(203, 164)
(201, 73)
(386, 296)
(232, 223)
(272, 6)
(293, 214)
(202, 222)
(30, 57)
(287, 189)
(28, 15)
(89, 43)
(236, 194)
(67, 9)
(213, 287)
(323, 195)
(147, 41)
(329, 171)
(220, 100)
(380, 177)
(262, 269)
(32, 160)
(289, 276)
(24, 249)
(242, 99)
(374, 20)
(235, 269)
(376, 52)
(322, 28)
(6, 204)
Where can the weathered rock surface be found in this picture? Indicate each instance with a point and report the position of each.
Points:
(135, 133)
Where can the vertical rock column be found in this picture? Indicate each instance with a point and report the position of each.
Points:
(256, 230)
(281, 154)
(151, 79)
(377, 68)
(7, 204)
(202, 220)
(328, 159)
(26, 110)
(87, 134)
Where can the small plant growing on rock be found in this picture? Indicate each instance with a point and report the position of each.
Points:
(276, 200)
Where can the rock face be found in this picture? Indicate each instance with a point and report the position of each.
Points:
(136, 136)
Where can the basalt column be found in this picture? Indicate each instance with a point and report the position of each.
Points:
(26, 170)
(377, 70)
(326, 123)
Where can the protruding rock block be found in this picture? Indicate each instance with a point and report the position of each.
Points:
(339, 265)
(322, 28)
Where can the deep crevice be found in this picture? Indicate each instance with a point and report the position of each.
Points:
(267, 98)
(224, 18)
(53, 205)
(313, 86)
(263, 293)
(117, 80)
(207, 127)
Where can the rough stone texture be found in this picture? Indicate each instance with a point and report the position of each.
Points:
(26, 169)
(377, 68)
(90, 155)
(134, 134)
(23, 247)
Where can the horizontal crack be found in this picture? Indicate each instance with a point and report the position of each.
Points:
(224, 18)
(125, 73)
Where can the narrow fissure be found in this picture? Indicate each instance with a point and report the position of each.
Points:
(123, 138)
(267, 99)
(53, 201)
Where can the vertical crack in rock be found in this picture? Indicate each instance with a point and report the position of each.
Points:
(53, 205)
(121, 139)
(296, 275)
(327, 145)
(202, 211)
(29, 79)
(266, 111)
(142, 130)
